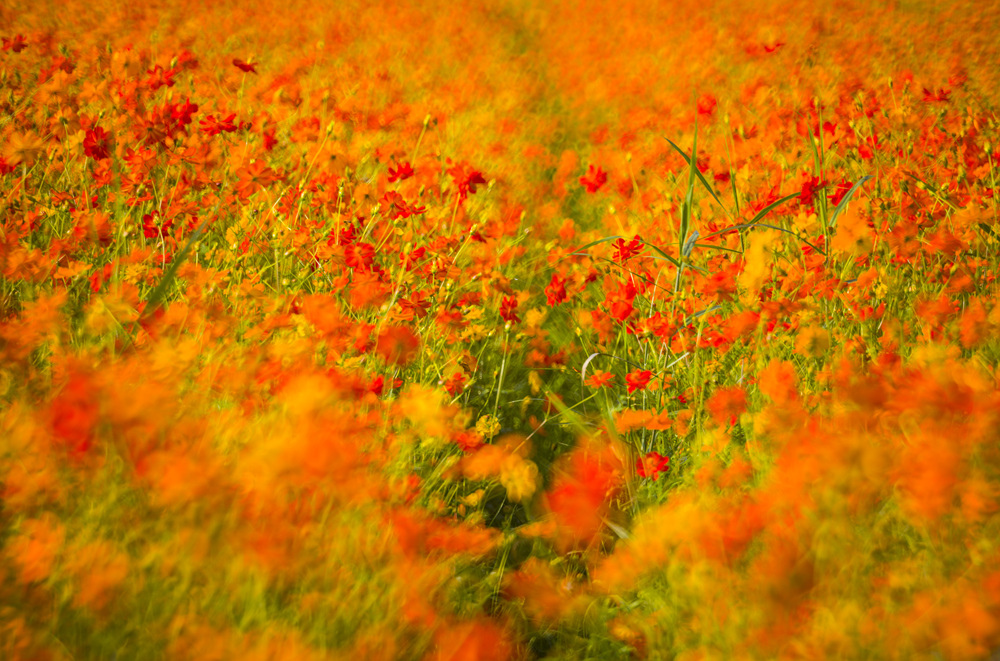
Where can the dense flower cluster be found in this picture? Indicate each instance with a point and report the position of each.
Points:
(448, 332)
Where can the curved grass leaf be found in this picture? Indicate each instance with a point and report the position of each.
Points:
(672, 260)
(689, 244)
(159, 293)
(782, 229)
(701, 177)
(714, 247)
(760, 215)
(847, 198)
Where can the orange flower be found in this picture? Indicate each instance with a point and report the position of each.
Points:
(100, 570)
(628, 419)
(778, 381)
(23, 148)
(547, 596)
(600, 379)
(74, 413)
(397, 345)
(35, 548)
(581, 494)
(253, 177)
(478, 640)
(726, 404)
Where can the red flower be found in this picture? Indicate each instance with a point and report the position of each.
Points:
(456, 384)
(622, 309)
(867, 149)
(594, 179)
(810, 187)
(74, 414)
(624, 251)
(269, 140)
(638, 380)
(706, 104)
(410, 260)
(839, 192)
(403, 171)
(359, 256)
(555, 292)
(469, 440)
(508, 310)
(245, 67)
(95, 144)
(652, 465)
(181, 113)
(466, 179)
(17, 43)
(160, 77)
(100, 276)
(377, 385)
(152, 228)
(213, 126)
(619, 302)
(398, 208)
(941, 96)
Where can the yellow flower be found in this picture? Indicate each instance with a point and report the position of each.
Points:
(427, 410)
(535, 317)
(853, 234)
(813, 341)
(474, 498)
(519, 476)
(488, 426)
(24, 148)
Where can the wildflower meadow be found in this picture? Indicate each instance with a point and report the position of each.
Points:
(500, 330)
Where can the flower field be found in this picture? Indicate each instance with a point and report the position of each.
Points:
(499, 331)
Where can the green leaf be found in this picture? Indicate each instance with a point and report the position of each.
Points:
(989, 230)
(156, 298)
(701, 177)
(571, 416)
(700, 313)
(579, 250)
(847, 198)
(671, 259)
(782, 229)
(760, 215)
(766, 210)
(714, 247)
(690, 244)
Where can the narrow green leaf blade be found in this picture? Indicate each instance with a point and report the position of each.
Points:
(766, 210)
(701, 177)
(160, 292)
(847, 198)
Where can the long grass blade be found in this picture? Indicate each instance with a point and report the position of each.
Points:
(701, 177)
(847, 198)
(760, 215)
(159, 293)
